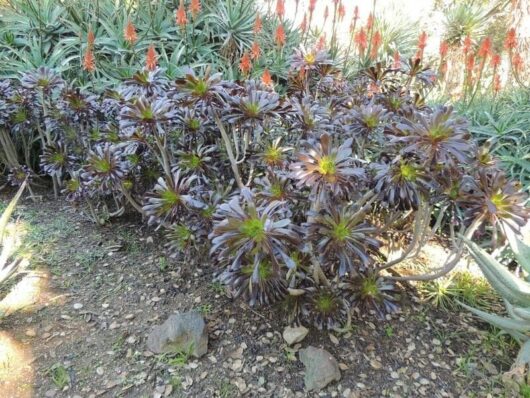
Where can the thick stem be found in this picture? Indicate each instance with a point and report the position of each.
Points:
(228, 145)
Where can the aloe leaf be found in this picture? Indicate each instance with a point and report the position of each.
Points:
(520, 250)
(9, 210)
(499, 276)
(501, 322)
(523, 357)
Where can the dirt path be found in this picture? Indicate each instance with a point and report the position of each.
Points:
(75, 322)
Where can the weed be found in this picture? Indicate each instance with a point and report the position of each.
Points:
(217, 287)
(466, 363)
(525, 391)
(389, 331)
(205, 309)
(163, 264)
(227, 390)
(176, 382)
(179, 359)
(59, 375)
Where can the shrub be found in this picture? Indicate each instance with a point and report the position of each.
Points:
(296, 192)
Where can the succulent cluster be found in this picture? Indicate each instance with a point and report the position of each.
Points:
(295, 194)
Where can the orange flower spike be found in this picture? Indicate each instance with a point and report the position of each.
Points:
(321, 44)
(195, 8)
(312, 5)
(89, 61)
(258, 25)
(303, 25)
(151, 60)
(422, 41)
(255, 51)
(444, 48)
(181, 17)
(485, 48)
(279, 36)
(266, 78)
(496, 83)
(361, 39)
(518, 63)
(90, 38)
(356, 13)
(510, 43)
(245, 65)
(341, 11)
(280, 8)
(470, 63)
(495, 61)
(376, 43)
(129, 33)
(397, 60)
(370, 22)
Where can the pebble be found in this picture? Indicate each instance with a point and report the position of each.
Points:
(78, 306)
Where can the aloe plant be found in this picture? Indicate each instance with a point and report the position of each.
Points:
(515, 292)
(7, 267)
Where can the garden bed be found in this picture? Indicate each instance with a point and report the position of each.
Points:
(83, 332)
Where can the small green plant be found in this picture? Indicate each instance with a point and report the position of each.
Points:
(178, 359)
(389, 331)
(59, 375)
(205, 309)
(163, 264)
(525, 391)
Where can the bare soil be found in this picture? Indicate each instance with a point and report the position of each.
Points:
(76, 319)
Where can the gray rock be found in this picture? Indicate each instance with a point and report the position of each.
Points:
(185, 332)
(294, 335)
(320, 368)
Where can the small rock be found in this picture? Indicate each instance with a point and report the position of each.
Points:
(294, 335)
(78, 306)
(320, 368)
(100, 371)
(180, 333)
(50, 393)
(31, 333)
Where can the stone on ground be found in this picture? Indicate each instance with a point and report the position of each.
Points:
(320, 368)
(184, 332)
(294, 335)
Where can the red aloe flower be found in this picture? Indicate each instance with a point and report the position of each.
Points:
(422, 43)
(255, 51)
(90, 38)
(303, 25)
(181, 17)
(245, 65)
(444, 48)
(326, 14)
(376, 43)
(510, 42)
(485, 48)
(258, 25)
(495, 61)
(280, 8)
(341, 11)
(470, 63)
(195, 8)
(266, 78)
(312, 4)
(151, 59)
(518, 63)
(396, 64)
(496, 83)
(279, 36)
(370, 22)
(321, 44)
(89, 61)
(361, 39)
(129, 33)
(467, 44)
(356, 13)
